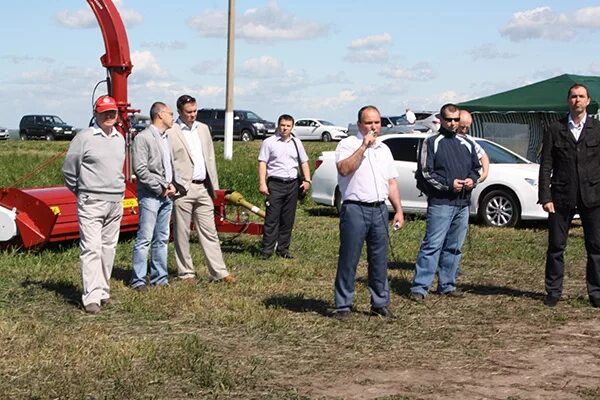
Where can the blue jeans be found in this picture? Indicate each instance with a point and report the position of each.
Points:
(153, 231)
(357, 225)
(444, 236)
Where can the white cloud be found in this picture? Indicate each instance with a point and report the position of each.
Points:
(262, 67)
(373, 41)
(145, 66)
(489, 51)
(450, 96)
(84, 18)
(544, 23)
(172, 45)
(215, 66)
(588, 17)
(370, 49)
(333, 102)
(18, 59)
(268, 23)
(418, 72)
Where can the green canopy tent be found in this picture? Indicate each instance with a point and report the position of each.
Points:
(518, 117)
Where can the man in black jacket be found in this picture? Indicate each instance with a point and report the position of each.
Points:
(569, 183)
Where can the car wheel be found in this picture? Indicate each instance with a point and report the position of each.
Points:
(49, 137)
(23, 135)
(246, 136)
(326, 137)
(499, 208)
(337, 200)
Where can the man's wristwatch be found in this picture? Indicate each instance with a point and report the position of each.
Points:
(308, 180)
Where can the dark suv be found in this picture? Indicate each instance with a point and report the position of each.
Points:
(47, 127)
(246, 124)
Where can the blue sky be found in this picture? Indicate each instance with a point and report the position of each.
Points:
(322, 59)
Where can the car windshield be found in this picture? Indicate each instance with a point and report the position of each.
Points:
(498, 155)
(249, 115)
(325, 123)
(401, 120)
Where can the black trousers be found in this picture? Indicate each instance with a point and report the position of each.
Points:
(558, 231)
(279, 219)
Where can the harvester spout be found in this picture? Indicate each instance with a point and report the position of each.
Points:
(237, 199)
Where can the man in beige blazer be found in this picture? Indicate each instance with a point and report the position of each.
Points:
(194, 163)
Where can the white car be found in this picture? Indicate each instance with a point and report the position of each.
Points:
(508, 195)
(4, 134)
(318, 129)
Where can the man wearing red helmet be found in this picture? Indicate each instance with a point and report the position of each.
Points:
(93, 171)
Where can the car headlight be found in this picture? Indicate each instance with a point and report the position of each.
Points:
(57, 129)
(533, 182)
(259, 125)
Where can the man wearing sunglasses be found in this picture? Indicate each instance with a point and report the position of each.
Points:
(450, 167)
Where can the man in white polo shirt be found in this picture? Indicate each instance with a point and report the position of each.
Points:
(366, 177)
(279, 161)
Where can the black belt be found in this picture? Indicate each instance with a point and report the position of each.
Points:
(364, 203)
(198, 182)
(282, 180)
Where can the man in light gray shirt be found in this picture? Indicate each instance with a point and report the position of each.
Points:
(279, 161)
(93, 171)
(154, 172)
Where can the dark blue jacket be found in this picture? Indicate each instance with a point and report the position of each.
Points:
(445, 157)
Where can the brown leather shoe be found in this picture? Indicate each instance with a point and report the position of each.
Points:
(229, 278)
(105, 302)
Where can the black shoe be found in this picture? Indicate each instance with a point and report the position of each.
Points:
(551, 300)
(457, 294)
(286, 255)
(595, 302)
(416, 297)
(341, 315)
(141, 288)
(265, 256)
(382, 312)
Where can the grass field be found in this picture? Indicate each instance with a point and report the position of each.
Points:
(268, 336)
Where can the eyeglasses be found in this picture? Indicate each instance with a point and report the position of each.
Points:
(451, 119)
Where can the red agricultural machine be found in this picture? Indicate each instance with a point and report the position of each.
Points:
(33, 217)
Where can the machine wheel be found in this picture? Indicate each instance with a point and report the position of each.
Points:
(326, 137)
(246, 136)
(499, 208)
(337, 200)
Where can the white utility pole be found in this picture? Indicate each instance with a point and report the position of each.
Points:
(228, 151)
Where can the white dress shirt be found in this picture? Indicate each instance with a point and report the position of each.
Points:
(193, 141)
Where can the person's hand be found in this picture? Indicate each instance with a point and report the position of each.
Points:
(483, 177)
(548, 207)
(169, 190)
(469, 183)
(263, 189)
(305, 186)
(369, 139)
(398, 220)
(458, 185)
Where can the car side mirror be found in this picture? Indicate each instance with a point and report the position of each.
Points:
(237, 117)
(389, 125)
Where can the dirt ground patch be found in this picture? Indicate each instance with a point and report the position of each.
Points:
(564, 364)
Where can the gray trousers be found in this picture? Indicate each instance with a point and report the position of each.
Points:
(99, 225)
(198, 206)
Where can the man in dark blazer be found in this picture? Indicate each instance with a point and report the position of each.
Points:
(569, 183)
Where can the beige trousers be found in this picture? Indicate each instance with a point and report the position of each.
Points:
(198, 206)
(99, 225)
